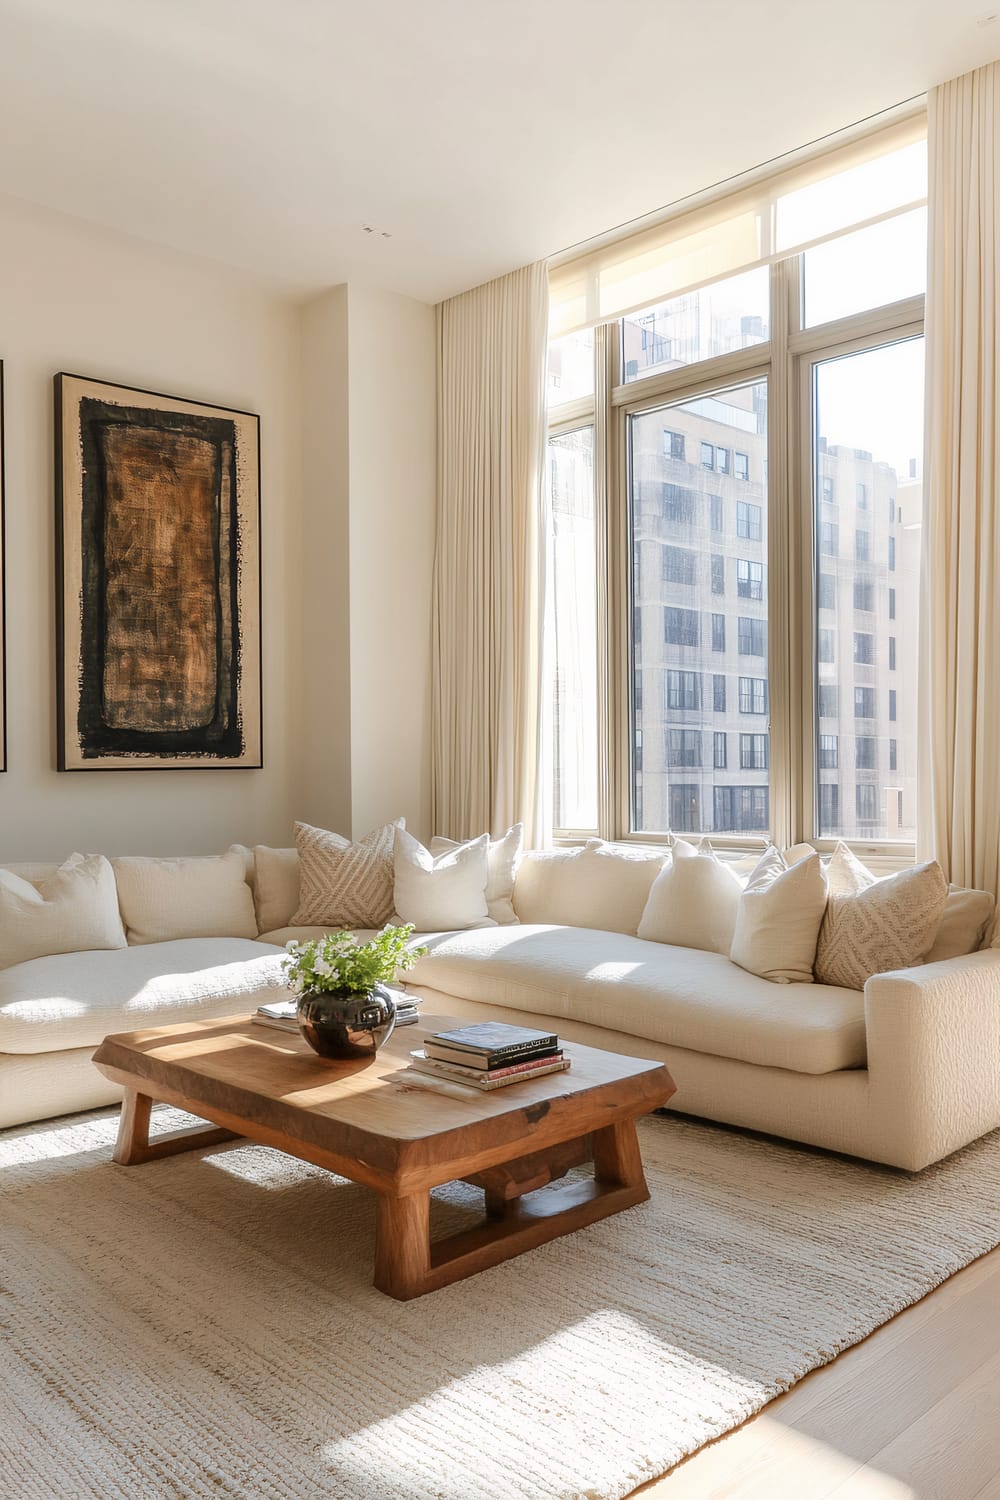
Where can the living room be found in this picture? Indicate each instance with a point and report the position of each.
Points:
(584, 559)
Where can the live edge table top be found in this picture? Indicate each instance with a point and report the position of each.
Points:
(380, 1126)
(369, 1120)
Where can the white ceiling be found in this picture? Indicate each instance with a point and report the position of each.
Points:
(481, 133)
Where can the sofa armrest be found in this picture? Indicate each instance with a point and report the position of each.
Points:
(933, 1036)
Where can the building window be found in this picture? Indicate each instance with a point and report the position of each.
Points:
(752, 637)
(753, 752)
(683, 747)
(708, 455)
(862, 546)
(673, 444)
(718, 574)
(892, 756)
(826, 488)
(861, 495)
(749, 579)
(829, 807)
(717, 515)
(892, 554)
(824, 645)
(741, 465)
(683, 690)
(718, 693)
(827, 700)
(864, 594)
(753, 695)
(828, 752)
(680, 626)
(892, 508)
(864, 648)
(892, 653)
(829, 538)
(864, 703)
(827, 591)
(749, 521)
(722, 460)
(752, 810)
(866, 802)
(718, 632)
(892, 705)
(678, 504)
(892, 604)
(719, 741)
(685, 808)
(679, 565)
(865, 748)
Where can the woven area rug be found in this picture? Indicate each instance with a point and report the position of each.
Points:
(205, 1325)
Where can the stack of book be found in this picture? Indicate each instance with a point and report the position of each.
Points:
(281, 1013)
(489, 1055)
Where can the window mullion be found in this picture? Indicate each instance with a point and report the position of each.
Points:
(612, 706)
(785, 602)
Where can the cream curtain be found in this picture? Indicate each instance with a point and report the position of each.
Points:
(487, 741)
(960, 620)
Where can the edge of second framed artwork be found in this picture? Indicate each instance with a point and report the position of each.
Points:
(158, 581)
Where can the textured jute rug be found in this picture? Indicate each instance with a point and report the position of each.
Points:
(206, 1326)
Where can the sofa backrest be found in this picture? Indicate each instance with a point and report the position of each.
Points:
(596, 885)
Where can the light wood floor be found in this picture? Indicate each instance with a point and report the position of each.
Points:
(912, 1413)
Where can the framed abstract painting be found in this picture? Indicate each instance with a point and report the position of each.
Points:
(158, 588)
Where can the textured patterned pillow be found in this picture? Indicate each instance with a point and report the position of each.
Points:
(872, 925)
(343, 884)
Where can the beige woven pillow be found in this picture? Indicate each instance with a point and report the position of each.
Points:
(343, 884)
(872, 925)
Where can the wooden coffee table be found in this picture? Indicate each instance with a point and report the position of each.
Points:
(378, 1126)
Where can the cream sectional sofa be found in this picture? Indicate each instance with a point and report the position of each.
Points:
(904, 1073)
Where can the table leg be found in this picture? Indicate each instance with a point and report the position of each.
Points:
(134, 1146)
(617, 1160)
(402, 1244)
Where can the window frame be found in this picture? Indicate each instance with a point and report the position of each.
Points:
(785, 362)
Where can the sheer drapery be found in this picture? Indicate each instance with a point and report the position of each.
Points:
(488, 576)
(960, 620)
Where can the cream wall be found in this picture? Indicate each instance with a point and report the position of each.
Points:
(344, 385)
(367, 548)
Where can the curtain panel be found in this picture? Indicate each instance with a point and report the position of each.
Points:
(487, 740)
(959, 706)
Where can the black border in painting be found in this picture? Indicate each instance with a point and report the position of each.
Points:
(142, 762)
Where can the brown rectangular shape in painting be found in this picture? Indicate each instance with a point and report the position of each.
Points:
(158, 523)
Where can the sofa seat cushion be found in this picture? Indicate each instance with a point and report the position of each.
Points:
(76, 999)
(678, 996)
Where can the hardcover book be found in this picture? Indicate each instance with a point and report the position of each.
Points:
(484, 1082)
(485, 1061)
(504, 1070)
(496, 1039)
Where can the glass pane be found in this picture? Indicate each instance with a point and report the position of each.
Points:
(867, 489)
(699, 325)
(574, 629)
(698, 524)
(570, 368)
(862, 192)
(881, 264)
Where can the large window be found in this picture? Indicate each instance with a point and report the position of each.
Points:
(761, 537)
(704, 631)
(868, 408)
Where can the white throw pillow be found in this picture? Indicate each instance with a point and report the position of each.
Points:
(344, 884)
(444, 892)
(872, 926)
(693, 901)
(967, 915)
(185, 897)
(73, 910)
(275, 886)
(502, 860)
(779, 917)
(598, 885)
